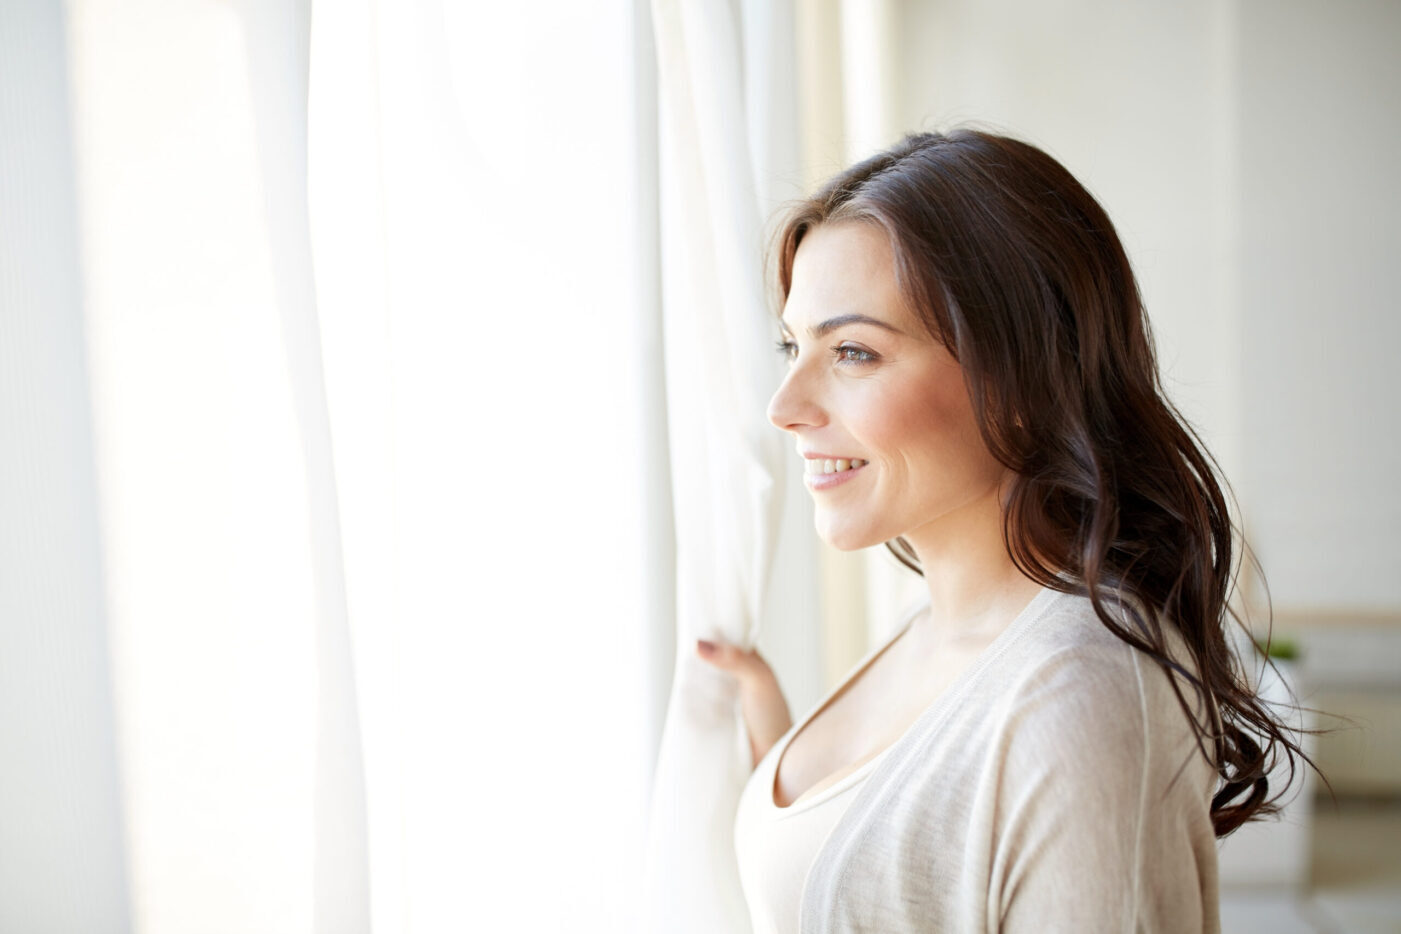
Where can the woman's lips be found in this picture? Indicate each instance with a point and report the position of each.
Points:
(825, 481)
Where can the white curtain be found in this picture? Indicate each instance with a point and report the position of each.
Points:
(62, 852)
(347, 609)
(372, 511)
(234, 692)
(727, 146)
(476, 232)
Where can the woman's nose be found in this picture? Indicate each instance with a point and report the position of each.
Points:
(793, 406)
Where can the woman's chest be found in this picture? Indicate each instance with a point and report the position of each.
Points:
(871, 712)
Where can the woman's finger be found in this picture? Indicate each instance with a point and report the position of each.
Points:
(743, 664)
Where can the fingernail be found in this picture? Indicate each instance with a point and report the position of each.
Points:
(706, 647)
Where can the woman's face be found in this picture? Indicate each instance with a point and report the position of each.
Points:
(867, 384)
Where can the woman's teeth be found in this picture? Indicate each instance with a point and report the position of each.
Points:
(817, 465)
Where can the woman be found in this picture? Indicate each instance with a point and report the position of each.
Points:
(1057, 739)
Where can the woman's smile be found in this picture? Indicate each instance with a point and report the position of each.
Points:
(823, 473)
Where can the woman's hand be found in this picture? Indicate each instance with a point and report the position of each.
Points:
(766, 714)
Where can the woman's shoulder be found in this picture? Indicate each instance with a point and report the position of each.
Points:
(1069, 668)
(1070, 632)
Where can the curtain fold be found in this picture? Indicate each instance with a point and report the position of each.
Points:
(63, 864)
(727, 461)
(217, 501)
(278, 48)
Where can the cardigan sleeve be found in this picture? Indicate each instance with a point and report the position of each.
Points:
(1092, 833)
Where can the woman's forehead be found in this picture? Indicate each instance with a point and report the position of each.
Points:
(845, 269)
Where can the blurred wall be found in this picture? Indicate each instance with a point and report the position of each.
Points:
(1320, 207)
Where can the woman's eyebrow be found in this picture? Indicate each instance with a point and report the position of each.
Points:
(841, 321)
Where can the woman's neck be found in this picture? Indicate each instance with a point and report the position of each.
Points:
(975, 591)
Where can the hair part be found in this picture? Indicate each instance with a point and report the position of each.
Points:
(1017, 270)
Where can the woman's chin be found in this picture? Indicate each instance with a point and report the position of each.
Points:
(845, 538)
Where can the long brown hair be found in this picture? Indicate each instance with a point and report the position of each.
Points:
(1016, 268)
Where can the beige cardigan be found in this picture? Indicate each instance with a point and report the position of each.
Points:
(1034, 796)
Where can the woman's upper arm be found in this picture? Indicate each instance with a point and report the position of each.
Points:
(1087, 837)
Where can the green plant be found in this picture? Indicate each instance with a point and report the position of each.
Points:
(1284, 650)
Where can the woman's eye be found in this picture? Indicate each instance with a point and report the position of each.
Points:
(844, 353)
(848, 354)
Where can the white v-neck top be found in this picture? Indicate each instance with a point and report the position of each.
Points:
(1054, 786)
(775, 845)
